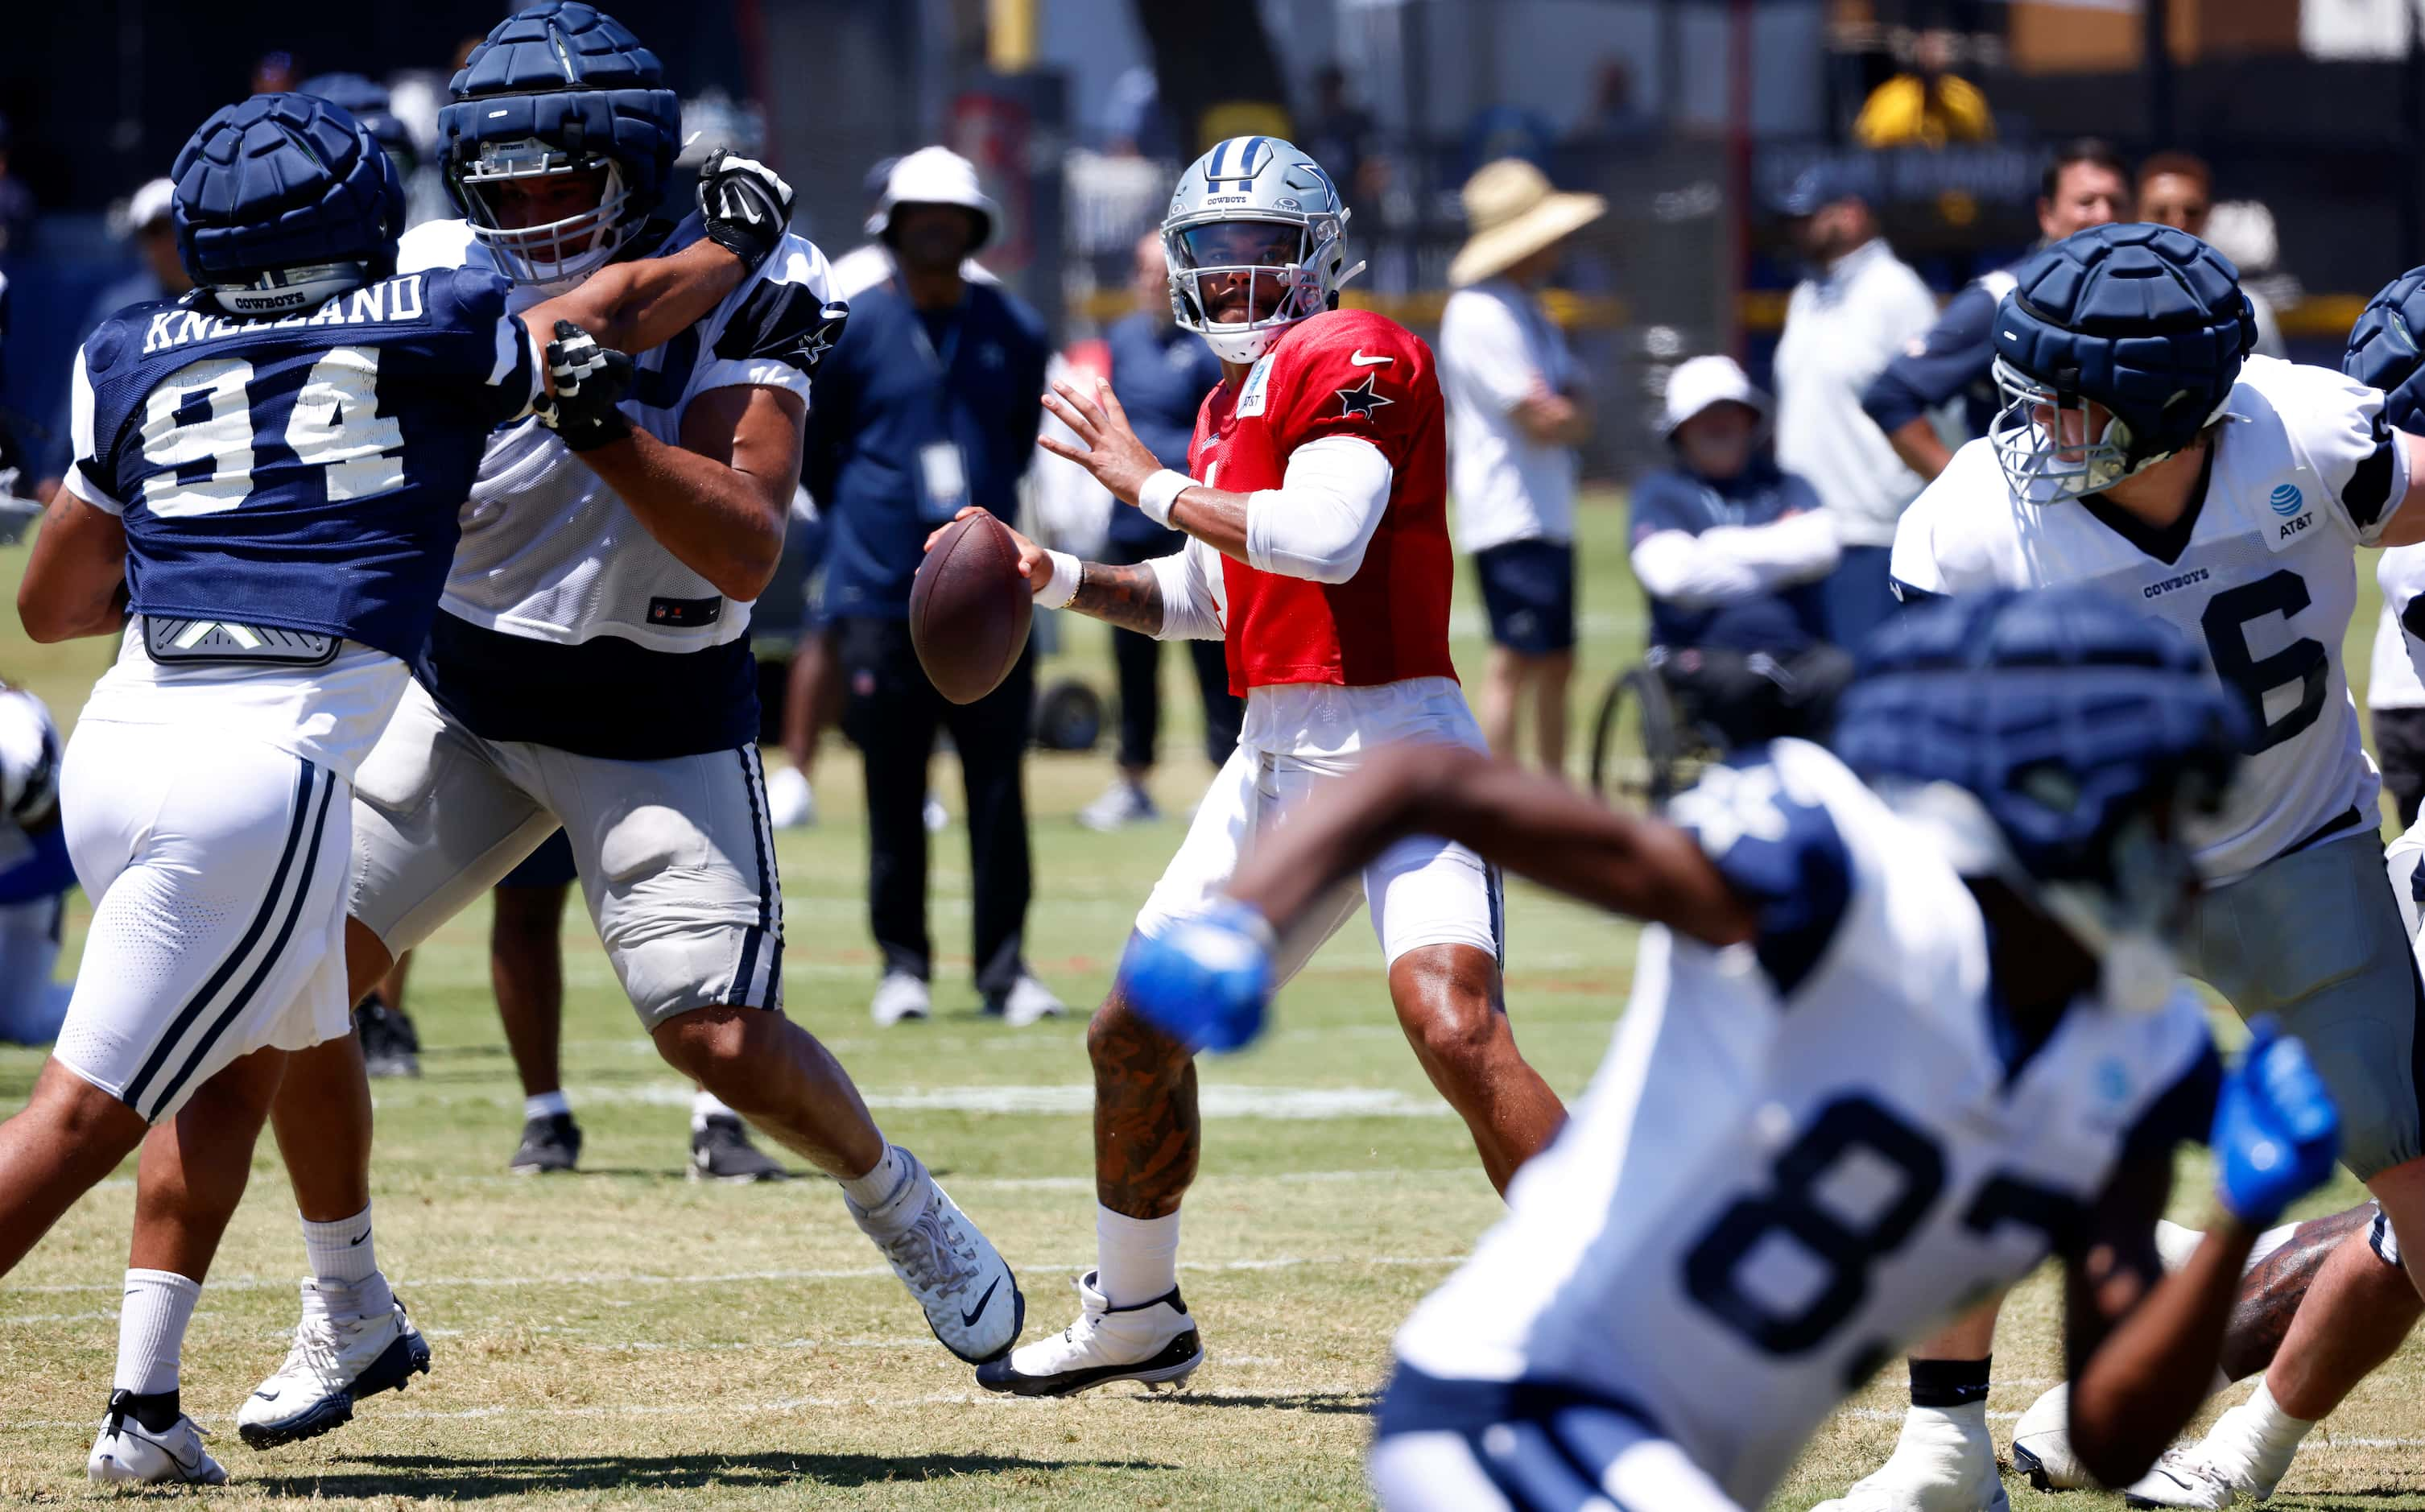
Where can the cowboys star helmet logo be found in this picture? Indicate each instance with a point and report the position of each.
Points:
(1361, 400)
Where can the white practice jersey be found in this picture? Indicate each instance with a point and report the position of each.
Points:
(1805, 1151)
(2401, 573)
(548, 552)
(2262, 574)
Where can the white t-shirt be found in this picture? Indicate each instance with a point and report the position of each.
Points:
(1495, 346)
(2392, 677)
(1840, 331)
(2394, 680)
(2266, 581)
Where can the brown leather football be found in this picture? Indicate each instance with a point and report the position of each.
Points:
(968, 609)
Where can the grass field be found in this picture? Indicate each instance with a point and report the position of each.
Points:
(624, 1336)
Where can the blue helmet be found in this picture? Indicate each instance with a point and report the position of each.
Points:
(2146, 322)
(366, 100)
(557, 91)
(2038, 734)
(282, 201)
(2383, 352)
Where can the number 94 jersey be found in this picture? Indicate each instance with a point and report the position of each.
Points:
(2261, 572)
(305, 471)
(1804, 1152)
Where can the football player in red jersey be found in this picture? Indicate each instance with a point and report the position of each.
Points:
(1318, 551)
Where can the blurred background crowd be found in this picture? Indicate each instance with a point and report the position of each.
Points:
(1730, 256)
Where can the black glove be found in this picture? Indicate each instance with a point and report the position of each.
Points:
(589, 379)
(746, 204)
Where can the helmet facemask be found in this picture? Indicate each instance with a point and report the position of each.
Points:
(1295, 277)
(2043, 440)
(557, 254)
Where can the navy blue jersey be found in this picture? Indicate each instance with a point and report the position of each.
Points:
(1787, 621)
(1162, 375)
(1956, 357)
(303, 473)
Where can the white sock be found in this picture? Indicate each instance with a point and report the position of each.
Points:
(881, 1184)
(2267, 1436)
(704, 1105)
(151, 1330)
(545, 1105)
(1136, 1260)
(343, 1256)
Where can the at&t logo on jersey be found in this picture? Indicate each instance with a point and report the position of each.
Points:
(2287, 502)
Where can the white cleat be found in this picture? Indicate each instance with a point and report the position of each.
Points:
(791, 803)
(1943, 1462)
(2041, 1445)
(129, 1454)
(900, 996)
(339, 1357)
(2182, 1479)
(2246, 1452)
(971, 1299)
(1154, 1343)
(1028, 1001)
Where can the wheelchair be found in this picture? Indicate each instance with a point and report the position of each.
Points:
(1664, 723)
(1651, 739)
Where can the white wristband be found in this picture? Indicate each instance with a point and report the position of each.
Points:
(1062, 585)
(1159, 492)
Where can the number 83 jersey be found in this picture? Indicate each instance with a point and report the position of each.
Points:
(1804, 1152)
(2261, 572)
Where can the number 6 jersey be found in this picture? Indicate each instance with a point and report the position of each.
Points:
(1804, 1152)
(2261, 572)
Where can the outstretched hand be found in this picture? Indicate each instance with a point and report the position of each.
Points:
(2277, 1131)
(1111, 452)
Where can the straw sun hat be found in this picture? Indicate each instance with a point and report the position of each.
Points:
(1513, 214)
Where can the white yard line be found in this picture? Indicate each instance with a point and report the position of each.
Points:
(846, 1273)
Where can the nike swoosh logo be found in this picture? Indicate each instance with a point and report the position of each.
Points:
(969, 1318)
(359, 1238)
(266, 1396)
(1359, 360)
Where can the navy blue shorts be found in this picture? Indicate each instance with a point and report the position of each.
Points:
(1529, 589)
(551, 865)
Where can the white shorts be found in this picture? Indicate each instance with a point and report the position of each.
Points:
(216, 866)
(1542, 1456)
(675, 857)
(1422, 890)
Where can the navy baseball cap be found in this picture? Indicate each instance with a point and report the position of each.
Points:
(1821, 185)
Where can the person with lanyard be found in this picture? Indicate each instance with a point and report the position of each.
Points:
(930, 401)
(1161, 374)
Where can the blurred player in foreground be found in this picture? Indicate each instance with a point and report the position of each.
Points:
(35, 872)
(1318, 550)
(265, 485)
(1909, 1023)
(2144, 455)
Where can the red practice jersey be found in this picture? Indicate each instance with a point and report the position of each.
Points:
(1346, 373)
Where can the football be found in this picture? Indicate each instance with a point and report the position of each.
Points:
(970, 609)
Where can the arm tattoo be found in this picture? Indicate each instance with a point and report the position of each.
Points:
(1128, 597)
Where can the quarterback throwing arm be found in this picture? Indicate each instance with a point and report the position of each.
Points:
(1318, 553)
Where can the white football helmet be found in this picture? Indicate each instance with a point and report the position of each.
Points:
(1254, 183)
